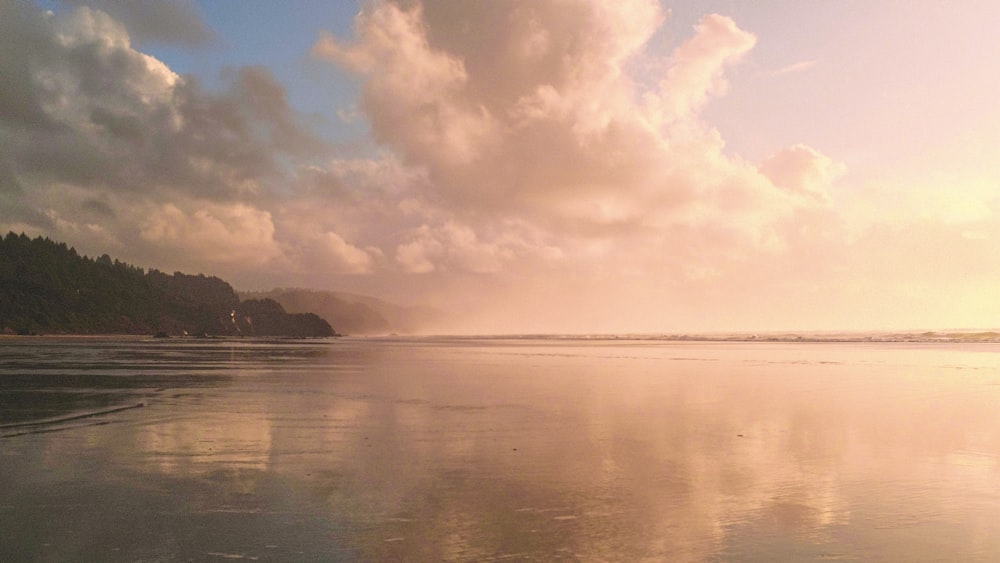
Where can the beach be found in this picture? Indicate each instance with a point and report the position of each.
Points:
(479, 449)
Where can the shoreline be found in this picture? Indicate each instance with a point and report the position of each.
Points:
(860, 337)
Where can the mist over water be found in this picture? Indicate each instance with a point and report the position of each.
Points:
(478, 449)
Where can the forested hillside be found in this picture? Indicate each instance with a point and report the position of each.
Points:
(47, 287)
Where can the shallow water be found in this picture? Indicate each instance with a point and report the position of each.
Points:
(494, 449)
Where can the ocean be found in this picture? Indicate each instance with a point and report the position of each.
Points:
(498, 449)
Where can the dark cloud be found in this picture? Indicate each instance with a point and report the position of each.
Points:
(106, 148)
(261, 96)
(98, 208)
(23, 39)
(17, 214)
(164, 21)
(81, 106)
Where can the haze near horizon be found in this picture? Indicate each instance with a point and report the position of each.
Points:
(534, 166)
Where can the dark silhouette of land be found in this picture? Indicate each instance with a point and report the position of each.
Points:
(352, 313)
(46, 287)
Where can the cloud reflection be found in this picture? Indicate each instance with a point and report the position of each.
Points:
(485, 451)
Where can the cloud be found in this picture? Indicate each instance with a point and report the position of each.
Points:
(416, 90)
(313, 243)
(802, 170)
(416, 255)
(697, 65)
(456, 246)
(168, 21)
(536, 163)
(540, 119)
(96, 133)
(545, 156)
(800, 66)
(89, 109)
(218, 234)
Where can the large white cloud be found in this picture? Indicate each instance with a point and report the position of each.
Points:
(543, 114)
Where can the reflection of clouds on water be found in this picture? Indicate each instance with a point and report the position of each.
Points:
(599, 472)
(189, 447)
(439, 453)
(698, 475)
(682, 464)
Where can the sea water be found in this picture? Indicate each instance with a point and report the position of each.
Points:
(489, 449)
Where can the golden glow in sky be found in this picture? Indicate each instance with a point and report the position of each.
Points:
(533, 166)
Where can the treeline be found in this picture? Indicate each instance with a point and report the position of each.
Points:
(47, 287)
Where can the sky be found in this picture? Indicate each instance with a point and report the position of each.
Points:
(530, 165)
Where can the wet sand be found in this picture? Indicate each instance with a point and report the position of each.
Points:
(498, 449)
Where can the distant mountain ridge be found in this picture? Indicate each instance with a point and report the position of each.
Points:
(46, 287)
(352, 313)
